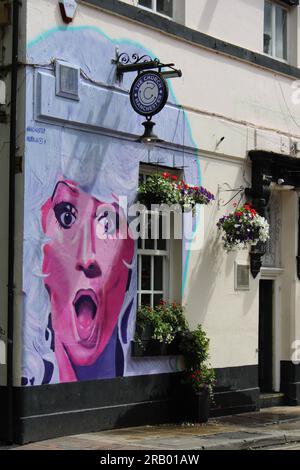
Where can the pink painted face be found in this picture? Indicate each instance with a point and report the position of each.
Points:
(86, 267)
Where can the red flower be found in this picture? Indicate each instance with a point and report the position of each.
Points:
(239, 213)
(174, 178)
(165, 175)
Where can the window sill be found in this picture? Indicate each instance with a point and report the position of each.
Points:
(155, 12)
(153, 348)
(283, 61)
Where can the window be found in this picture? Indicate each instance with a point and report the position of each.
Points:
(164, 7)
(275, 30)
(159, 259)
(153, 265)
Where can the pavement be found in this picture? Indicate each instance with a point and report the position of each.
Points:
(271, 428)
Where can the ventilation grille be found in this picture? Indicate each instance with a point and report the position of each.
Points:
(67, 80)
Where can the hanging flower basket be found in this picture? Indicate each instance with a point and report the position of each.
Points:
(243, 228)
(168, 189)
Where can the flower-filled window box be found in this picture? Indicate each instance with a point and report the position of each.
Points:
(243, 228)
(168, 189)
(158, 330)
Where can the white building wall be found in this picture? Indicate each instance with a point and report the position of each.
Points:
(234, 21)
(252, 108)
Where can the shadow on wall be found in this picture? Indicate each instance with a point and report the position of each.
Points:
(208, 261)
(207, 15)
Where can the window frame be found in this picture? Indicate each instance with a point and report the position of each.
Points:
(284, 7)
(153, 9)
(169, 255)
(152, 253)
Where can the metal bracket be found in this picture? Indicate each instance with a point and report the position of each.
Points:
(18, 164)
(256, 255)
(226, 188)
(135, 63)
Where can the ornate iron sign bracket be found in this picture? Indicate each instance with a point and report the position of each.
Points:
(135, 63)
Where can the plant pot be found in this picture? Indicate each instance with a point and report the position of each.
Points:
(146, 333)
(153, 200)
(152, 348)
(198, 406)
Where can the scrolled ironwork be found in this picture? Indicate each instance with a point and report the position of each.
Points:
(126, 59)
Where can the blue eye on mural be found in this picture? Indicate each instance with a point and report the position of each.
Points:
(65, 214)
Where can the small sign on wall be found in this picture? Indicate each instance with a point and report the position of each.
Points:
(242, 276)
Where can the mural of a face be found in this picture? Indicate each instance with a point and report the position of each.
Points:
(86, 270)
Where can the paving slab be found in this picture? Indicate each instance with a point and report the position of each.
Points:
(267, 429)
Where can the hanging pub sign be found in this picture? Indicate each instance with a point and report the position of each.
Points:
(149, 93)
(68, 10)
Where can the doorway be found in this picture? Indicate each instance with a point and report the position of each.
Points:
(266, 338)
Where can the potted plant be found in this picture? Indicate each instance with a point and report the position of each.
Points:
(158, 329)
(199, 377)
(200, 394)
(168, 189)
(243, 228)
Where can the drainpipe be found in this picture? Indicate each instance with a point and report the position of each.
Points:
(11, 222)
(298, 254)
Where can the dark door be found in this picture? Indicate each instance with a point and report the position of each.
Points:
(266, 336)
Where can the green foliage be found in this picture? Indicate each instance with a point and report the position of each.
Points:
(194, 346)
(158, 190)
(204, 378)
(166, 320)
(168, 189)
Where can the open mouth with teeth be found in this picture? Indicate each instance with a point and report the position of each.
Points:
(85, 306)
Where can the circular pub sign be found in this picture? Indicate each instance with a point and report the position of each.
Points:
(149, 93)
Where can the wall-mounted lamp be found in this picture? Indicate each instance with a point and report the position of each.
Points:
(149, 138)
